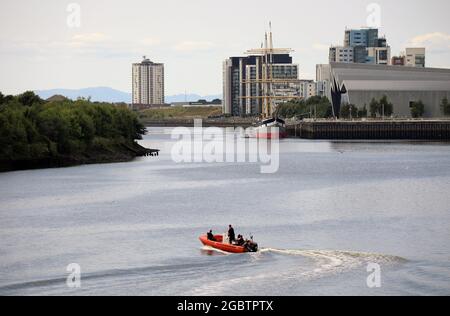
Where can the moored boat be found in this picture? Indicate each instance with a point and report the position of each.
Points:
(272, 128)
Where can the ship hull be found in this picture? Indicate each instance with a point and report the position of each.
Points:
(271, 129)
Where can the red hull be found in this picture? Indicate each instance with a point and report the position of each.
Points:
(219, 245)
(269, 135)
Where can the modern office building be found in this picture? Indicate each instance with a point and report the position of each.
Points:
(362, 46)
(378, 55)
(242, 83)
(341, 54)
(415, 57)
(148, 83)
(323, 79)
(358, 84)
(308, 89)
(367, 37)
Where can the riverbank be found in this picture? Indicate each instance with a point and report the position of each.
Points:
(211, 116)
(117, 152)
(223, 122)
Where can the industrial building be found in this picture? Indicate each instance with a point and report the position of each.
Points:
(358, 84)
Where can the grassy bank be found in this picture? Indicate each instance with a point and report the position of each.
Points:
(35, 133)
(177, 113)
(184, 116)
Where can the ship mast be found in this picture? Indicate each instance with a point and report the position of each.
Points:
(267, 79)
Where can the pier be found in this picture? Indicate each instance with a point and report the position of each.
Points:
(380, 129)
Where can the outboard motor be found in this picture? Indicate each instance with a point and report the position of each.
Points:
(251, 247)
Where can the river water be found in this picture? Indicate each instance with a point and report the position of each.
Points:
(333, 210)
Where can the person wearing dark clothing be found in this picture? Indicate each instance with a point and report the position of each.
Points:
(231, 235)
(240, 241)
(211, 236)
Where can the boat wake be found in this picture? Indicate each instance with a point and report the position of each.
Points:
(319, 264)
(338, 261)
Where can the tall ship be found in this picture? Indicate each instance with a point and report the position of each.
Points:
(272, 83)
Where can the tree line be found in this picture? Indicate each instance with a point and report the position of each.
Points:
(31, 128)
(320, 107)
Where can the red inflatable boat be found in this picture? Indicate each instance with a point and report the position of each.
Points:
(218, 244)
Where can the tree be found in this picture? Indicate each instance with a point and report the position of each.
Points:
(385, 107)
(5, 98)
(362, 112)
(353, 110)
(349, 111)
(445, 106)
(374, 106)
(33, 129)
(345, 111)
(317, 106)
(417, 109)
(29, 98)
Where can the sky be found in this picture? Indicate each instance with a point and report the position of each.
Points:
(46, 44)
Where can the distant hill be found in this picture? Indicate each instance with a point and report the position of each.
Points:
(106, 94)
(100, 94)
(56, 98)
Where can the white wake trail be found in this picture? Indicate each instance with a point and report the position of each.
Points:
(324, 263)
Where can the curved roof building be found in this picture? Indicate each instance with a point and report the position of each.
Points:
(358, 84)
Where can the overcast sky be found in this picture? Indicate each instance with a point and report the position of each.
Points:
(39, 49)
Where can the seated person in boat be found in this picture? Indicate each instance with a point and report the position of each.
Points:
(211, 236)
(240, 241)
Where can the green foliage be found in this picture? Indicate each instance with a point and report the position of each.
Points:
(349, 111)
(445, 107)
(362, 112)
(4, 99)
(28, 98)
(417, 109)
(316, 106)
(374, 106)
(179, 112)
(386, 108)
(381, 107)
(33, 129)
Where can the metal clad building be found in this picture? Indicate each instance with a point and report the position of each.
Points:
(358, 83)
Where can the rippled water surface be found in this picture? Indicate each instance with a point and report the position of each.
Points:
(330, 210)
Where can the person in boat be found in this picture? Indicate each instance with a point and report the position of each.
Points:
(210, 236)
(231, 235)
(240, 240)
